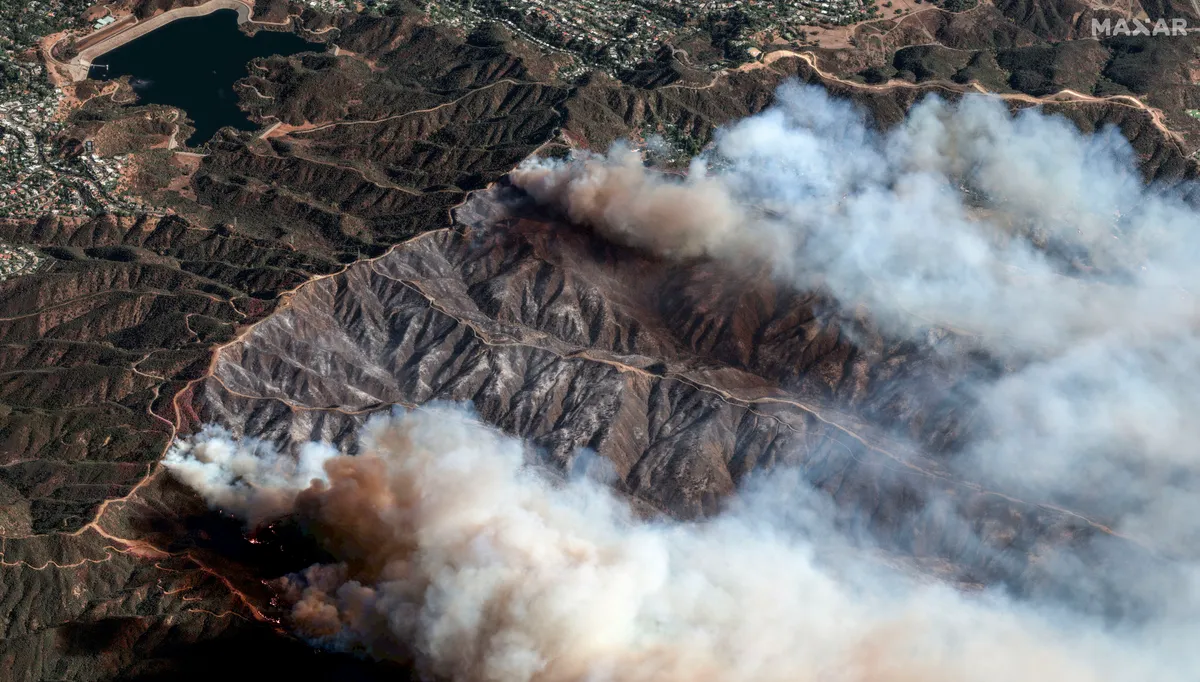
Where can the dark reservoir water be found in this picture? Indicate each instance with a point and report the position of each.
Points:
(193, 63)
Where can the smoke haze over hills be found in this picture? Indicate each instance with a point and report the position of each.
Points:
(1037, 245)
(452, 547)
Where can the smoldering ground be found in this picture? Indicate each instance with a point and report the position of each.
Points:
(1039, 244)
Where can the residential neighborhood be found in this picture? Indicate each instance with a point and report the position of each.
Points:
(17, 260)
(35, 177)
(619, 34)
(35, 180)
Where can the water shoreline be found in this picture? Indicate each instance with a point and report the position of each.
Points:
(122, 32)
(171, 62)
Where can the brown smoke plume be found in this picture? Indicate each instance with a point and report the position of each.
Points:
(618, 197)
(455, 551)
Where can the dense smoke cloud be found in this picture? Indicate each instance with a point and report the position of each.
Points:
(453, 549)
(250, 478)
(1038, 244)
(881, 219)
(616, 195)
(1032, 240)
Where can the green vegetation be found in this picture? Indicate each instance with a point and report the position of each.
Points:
(22, 24)
(670, 146)
(958, 5)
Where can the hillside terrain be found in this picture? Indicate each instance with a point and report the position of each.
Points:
(351, 257)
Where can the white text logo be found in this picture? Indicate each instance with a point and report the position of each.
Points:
(1137, 27)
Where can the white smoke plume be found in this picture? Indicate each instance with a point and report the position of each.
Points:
(880, 219)
(1037, 243)
(454, 550)
(249, 478)
(1034, 241)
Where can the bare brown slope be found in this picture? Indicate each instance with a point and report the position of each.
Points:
(686, 377)
(97, 345)
(101, 347)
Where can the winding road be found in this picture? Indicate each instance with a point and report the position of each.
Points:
(1064, 96)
